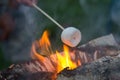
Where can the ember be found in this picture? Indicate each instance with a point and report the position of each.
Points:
(55, 62)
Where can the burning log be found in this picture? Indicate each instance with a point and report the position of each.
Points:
(106, 68)
(26, 71)
(91, 64)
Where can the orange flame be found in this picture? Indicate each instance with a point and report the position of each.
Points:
(60, 60)
(65, 60)
(44, 41)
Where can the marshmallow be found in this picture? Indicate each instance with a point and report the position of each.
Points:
(71, 36)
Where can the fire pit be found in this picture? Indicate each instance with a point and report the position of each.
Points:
(97, 60)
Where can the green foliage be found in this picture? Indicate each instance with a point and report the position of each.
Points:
(64, 11)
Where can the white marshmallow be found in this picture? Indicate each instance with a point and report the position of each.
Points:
(71, 36)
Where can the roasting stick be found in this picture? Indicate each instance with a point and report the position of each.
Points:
(49, 17)
(70, 36)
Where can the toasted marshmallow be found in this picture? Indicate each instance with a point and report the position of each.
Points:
(71, 36)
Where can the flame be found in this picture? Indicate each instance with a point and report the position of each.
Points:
(44, 41)
(44, 44)
(60, 60)
(65, 60)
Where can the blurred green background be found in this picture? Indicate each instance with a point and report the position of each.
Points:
(3, 63)
(91, 17)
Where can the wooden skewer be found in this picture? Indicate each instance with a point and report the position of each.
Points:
(49, 17)
(70, 36)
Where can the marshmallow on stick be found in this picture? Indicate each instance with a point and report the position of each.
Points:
(70, 36)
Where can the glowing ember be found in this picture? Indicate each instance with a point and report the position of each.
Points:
(57, 61)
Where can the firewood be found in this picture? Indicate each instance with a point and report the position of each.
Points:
(36, 68)
(92, 53)
(26, 71)
(106, 68)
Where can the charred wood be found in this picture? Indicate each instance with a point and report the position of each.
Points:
(106, 68)
(26, 71)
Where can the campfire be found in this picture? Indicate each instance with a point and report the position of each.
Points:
(98, 59)
(54, 61)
